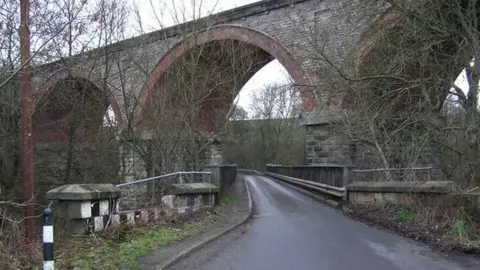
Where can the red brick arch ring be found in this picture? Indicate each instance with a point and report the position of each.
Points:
(79, 74)
(239, 33)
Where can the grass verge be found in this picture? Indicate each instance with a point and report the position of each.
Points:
(227, 200)
(119, 249)
(446, 229)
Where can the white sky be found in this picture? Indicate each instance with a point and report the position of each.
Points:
(274, 72)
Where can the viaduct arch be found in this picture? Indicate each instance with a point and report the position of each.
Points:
(268, 47)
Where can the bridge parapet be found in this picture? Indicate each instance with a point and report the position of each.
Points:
(85, 208)
(443, 194)
(223, 176)
(328, 174)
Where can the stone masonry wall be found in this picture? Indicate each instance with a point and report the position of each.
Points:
(302, 26)
(323, 146)
(296, 24)
(88, 163)
(132, 166)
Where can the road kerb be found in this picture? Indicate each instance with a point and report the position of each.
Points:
(191, 249)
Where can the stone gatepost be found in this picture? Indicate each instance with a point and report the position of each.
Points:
(186, 199)
(81, 208)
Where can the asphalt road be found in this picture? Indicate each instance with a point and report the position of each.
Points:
(291, 231)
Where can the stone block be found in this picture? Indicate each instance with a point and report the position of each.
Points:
(361, 198)
(129, 219)
(180, 201)
(378, 197)
(141, 217)
(391, 197)
(104, 207)
(75, 226)
(208, 199)
(311, 143)
(157, 213)
(83, 192)
(98, 224)
(168, 200)
(403, 187)
(192, 188)
(73, 209)
(186, 204)
(467, 201)
(115, 220)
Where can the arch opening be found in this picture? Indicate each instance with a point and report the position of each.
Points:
(419, 58)
(401, 77)
(405, 69)
(200, 86)
(267, 82)
(73, 108)
(200, 78)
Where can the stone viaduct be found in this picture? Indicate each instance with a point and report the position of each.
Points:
(128, 73)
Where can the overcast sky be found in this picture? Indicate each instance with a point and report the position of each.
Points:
(165, 11)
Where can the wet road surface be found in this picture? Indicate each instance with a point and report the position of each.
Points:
(291, 231)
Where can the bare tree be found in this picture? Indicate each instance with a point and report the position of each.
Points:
(272, 135)
(393, 84)
(58, 30)
(74, 106)
(239, 113)
(193, 98)
(42, 38)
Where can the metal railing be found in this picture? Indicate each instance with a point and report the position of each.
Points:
(148, 192)
(182, 176)
(322, 181)
(330, 191)
(328, 174)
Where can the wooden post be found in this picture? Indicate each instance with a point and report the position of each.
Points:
(26, 137)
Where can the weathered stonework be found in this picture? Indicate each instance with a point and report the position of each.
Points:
(323, 144)
(87, 163)
(79, 206)
(433, 193)
(216, 157)
(82, 208)
(288, 30)
(132, 166)
(222, 176)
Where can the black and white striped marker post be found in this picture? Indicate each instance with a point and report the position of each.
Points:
(48, 239)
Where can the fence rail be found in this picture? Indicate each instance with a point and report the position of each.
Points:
(148, 192)
(182, 176)
(331, 180)
(328, 174)
(335, 192)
